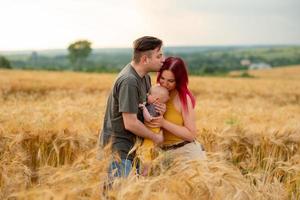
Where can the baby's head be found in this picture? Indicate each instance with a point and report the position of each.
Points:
(158, 93)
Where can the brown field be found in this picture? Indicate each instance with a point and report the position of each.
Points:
(250, 127)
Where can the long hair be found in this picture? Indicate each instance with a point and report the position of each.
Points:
(179, 69)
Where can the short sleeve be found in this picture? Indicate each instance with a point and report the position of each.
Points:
(129, 97)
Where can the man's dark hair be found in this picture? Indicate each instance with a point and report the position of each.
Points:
(143, 44)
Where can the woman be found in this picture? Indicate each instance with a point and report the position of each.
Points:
(179, 122)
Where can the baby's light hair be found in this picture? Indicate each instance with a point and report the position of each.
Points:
(159, 92)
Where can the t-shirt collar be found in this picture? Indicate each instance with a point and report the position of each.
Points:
(134, 72)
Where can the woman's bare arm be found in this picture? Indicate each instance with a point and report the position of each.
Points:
(186, 132)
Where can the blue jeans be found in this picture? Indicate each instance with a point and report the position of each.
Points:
(119, 169)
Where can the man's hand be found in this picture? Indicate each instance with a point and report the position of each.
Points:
(160, 107)
(158, 138)
(155, 122)
(142, 106)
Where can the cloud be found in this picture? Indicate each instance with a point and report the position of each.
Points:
(54, 24)
(195, 22)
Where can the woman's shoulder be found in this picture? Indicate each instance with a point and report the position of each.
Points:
(176, 102)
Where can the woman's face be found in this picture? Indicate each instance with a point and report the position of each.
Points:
(167, 80)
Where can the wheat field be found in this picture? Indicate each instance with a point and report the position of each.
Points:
(250, 128)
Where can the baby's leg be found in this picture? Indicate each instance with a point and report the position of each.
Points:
(145, 153)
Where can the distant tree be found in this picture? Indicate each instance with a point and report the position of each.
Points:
(33, 59)
(209, 70)
(34, 55)
(78, 52)
(4, 63)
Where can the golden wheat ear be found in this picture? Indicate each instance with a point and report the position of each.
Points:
(136, 145)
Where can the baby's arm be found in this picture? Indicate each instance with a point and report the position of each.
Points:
(146, 114)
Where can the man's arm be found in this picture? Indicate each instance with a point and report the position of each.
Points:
(135, 126)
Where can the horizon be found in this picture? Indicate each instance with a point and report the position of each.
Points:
(170, 46)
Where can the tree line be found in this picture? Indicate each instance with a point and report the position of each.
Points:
(201, 60)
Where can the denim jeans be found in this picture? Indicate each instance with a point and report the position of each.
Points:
(119, 169)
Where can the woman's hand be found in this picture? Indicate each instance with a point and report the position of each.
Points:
(160, 107)
(155, 122)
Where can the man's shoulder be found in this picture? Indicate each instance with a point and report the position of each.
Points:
(127, 76)
(129, 79)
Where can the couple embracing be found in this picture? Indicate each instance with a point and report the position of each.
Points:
(162, 115)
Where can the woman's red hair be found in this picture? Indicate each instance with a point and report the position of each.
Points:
(179, 69)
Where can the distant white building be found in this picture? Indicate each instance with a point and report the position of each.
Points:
(245, 62)
(260, 66)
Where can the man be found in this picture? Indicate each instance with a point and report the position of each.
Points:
(123, 119)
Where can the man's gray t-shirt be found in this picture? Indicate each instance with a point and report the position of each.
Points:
(128, 92)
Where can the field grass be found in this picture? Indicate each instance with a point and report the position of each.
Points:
(49, 124)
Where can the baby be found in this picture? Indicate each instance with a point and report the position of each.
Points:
(146, 151)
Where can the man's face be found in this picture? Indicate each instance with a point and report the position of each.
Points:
(155, 60)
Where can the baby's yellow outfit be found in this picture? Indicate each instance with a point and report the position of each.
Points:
(146, 152)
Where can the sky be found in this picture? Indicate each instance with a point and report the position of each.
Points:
(54, 24)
